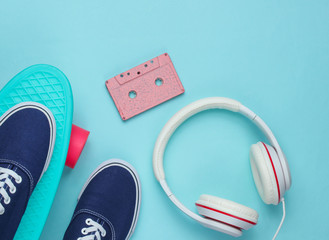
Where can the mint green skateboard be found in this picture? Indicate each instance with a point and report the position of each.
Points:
(49, 86)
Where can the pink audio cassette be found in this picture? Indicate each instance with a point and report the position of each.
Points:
(144, 86)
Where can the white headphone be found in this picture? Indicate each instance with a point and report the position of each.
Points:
(268, 164)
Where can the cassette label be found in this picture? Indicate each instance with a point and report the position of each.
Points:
(144, 86)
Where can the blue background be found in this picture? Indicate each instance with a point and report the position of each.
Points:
(273, 56)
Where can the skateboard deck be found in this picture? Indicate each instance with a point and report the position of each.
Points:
(49, 86)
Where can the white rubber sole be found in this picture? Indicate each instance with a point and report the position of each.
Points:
(51, 120)
(132, 170)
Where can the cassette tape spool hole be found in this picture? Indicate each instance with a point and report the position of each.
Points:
(132, 94)
(158, 81)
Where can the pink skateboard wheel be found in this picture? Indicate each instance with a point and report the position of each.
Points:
(78, 140)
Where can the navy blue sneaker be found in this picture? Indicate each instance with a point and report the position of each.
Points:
(27, 138)
(108, 205)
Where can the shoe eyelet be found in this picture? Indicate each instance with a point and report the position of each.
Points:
(19, 180)
(83, 231)
(12, 190)
(7, 201)
(103, 234)
(88, 221)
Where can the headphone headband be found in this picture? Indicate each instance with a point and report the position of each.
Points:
(202, 105)
(178, 119)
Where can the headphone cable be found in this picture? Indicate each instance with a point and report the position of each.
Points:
(283, 217)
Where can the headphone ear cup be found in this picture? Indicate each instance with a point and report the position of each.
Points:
(227, 212)
(265, 178)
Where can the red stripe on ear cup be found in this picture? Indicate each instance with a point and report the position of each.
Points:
(276, 177)
(223, 222)
(230, 215)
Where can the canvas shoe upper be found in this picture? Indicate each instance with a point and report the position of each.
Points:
(108, 204)
(27, 138)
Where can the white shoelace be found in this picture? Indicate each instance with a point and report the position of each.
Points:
(6, 177)
(95, 230)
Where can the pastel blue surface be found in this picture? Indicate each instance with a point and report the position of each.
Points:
(271, 56)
